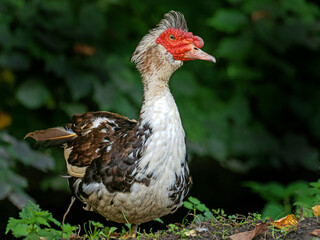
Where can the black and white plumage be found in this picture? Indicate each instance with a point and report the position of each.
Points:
(129, 170)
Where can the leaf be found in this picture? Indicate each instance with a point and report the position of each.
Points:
(43, 162)
(32, 94)
(42, 221)
(74, 108)
(17, 228)
(23, 152)
(96, 224)
(188, 205)
(68, 229)
(104, 95)
(228, 20)
(17, 180)
(19, 198)
(28, 210)
(4, 190)
(80, 83)
(5, 35)
(31, 221)
(194, 200)
(159, 220)
(208, 215)
(259, 228)
(273, 210)
(240, 71)
(202, 208)
(316, 184)
(286, 222)
(272, 191)
(316, 232)
(14, 61)
(234, 48)
(316, 210)
(57, 64)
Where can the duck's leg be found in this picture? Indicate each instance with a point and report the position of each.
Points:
(134, 228)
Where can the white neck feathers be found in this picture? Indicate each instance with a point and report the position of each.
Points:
(165, 149)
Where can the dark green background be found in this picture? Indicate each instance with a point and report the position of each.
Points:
(254, 115)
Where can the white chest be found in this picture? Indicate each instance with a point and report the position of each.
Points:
(165, 149)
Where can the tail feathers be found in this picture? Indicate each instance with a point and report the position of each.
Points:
(52, 137)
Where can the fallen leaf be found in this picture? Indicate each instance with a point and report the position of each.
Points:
(286, 222)
(249, 235)
(316, 210)
(316, 232)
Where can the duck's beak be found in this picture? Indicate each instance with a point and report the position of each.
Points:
(197, 53)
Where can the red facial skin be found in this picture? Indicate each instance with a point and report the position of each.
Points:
(177, 42)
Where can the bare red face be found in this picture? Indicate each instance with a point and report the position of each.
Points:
(183, 46)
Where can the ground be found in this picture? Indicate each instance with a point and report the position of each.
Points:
(223, 229)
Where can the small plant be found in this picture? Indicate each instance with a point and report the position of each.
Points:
(178, 230)
(107, 232)
(219, 214)
(283, 200)
(194, 205)
(158, 220)
(35, 223)
(93, 230)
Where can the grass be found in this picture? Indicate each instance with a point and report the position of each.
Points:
(200, 222)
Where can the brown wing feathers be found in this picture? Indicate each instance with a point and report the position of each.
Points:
(52, 137)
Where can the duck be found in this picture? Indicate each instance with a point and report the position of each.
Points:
(134, 171)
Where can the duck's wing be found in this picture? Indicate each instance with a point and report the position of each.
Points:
(90, 136)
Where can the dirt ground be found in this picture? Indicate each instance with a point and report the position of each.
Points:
(222, 230)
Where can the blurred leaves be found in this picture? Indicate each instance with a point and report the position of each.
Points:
(258, 106)
(5, 120)
(32, 94)
(279, 198)
(228, 20)
(13, 154)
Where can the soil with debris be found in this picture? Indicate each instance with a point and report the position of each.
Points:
(225, 229)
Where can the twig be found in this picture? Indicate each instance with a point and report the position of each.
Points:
(79, 229)
(301, 216)
(66, 213)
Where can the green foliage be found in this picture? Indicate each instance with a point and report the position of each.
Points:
(228, 20)
(33, 94)
(94, 230)
(196, 206)
(159, 220)
(35, 223)
(13, 155)
(258, 106)
(107, 231)
(177, 230)
(283, 200)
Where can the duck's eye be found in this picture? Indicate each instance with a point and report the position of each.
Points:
(172, 37)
